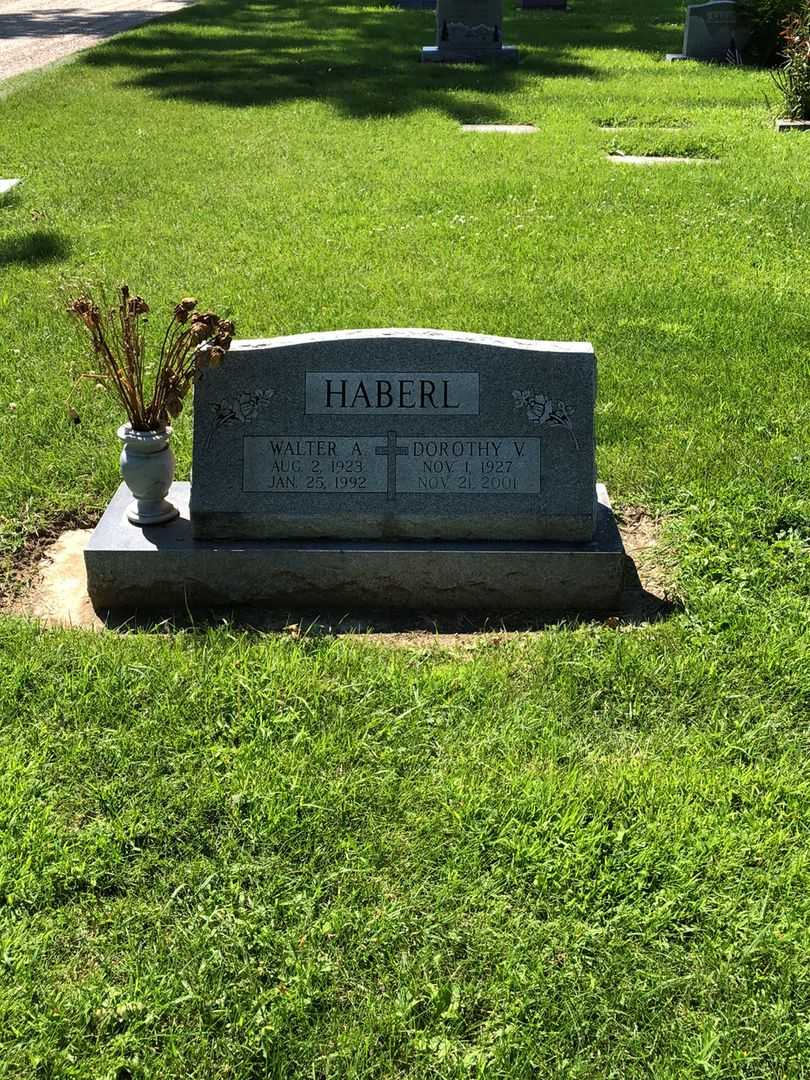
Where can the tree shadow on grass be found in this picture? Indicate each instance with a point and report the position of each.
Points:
(654, 26)
(33, 249)
(363, 61)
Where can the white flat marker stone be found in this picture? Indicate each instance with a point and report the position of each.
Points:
(650, 159)
(502, 129)
(8, 185)
(637, 127)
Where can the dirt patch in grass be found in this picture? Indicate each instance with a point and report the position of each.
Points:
(52, 570)
(22, 570)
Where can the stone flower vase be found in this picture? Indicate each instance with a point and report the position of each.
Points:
(147, 466)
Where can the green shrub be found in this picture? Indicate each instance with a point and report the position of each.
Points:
(793, 75)
(765, 17)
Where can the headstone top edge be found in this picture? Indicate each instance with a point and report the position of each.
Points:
(412, 333)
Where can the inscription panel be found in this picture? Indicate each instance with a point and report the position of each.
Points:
(357, 465)
(338, 464)
(469, 466)
(392, 393)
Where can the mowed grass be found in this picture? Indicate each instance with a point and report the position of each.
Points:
(577, 853)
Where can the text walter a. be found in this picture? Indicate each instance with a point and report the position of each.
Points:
(450, 393)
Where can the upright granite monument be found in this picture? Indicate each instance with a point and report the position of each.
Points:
(380, 468)
(713, 31)
(469, 31)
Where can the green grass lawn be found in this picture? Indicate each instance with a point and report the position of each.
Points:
(577, 853)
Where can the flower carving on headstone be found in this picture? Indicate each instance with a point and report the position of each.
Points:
(240, 409)
(540, 409)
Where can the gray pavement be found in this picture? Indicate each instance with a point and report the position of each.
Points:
(37, 32)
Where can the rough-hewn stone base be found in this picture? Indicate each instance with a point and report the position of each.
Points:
(162, 566)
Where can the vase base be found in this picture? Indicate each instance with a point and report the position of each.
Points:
(143, 513)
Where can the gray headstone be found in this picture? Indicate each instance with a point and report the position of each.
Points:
(713, 31)
(469, 30)
(396, 435)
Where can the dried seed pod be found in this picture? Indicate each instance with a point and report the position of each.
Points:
(174, 405)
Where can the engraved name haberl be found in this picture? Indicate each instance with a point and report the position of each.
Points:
(392, 392)
(388, 393)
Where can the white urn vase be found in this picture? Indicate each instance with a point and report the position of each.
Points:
(147, 466)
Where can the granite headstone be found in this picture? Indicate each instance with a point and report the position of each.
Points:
(398, 435)
(469, 31)
(379, 468)
(713, 31)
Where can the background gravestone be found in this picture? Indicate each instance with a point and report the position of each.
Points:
(469, 31)
(713, 31)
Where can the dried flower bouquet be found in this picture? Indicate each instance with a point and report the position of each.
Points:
(193, 340)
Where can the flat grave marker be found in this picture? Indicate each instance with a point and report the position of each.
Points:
(499, 129)
(659, 159)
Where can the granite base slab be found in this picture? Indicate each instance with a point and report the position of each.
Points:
(673, 57)
(507, 54)
(163, 567)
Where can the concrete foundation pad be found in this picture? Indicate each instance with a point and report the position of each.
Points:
(162, 567)
(507, 54)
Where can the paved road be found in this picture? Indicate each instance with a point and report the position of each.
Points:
(36, 32)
